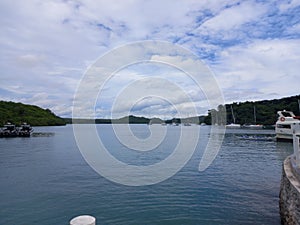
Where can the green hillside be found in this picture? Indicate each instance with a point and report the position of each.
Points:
(18, 113)
(124, 120)
(266, 110)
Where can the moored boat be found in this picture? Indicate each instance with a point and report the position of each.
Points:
(9, 130)
(253, 126)
(25, 130)
(233, 126)
(283, 127)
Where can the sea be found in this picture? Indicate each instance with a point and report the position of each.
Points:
(45, 179)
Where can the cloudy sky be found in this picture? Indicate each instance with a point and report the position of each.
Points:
(251, 47)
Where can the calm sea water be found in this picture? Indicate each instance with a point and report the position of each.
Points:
(44, 180)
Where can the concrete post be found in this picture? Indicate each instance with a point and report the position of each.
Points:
(296, 150)
(296, 135)
(83, 220)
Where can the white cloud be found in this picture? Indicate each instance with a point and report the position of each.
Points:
(29, 60)
(232, 18)
(47, 45)
(264, 66)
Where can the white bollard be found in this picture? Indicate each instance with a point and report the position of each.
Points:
(83, 220)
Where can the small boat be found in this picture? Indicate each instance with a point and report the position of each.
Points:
(254, 126)
(233, 125)
(25, 130)
(9, 130)
(283, 127)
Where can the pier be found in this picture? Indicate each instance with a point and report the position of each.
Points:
(289, 202)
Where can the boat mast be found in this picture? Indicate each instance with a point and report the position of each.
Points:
(254, 115)
(232, 115)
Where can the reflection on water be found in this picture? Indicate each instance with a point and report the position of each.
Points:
(42, 134)
(45, 180)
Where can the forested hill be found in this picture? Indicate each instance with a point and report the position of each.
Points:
(18, 113)
(266, 110)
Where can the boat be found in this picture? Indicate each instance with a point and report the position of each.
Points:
(283, 126)
(9, 130)
(233, 125)
(25, 130)
(254, 126)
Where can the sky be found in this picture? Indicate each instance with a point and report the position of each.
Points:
(252, 48)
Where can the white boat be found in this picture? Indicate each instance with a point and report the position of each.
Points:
(254, 126)
(283, 127)
(233, 125)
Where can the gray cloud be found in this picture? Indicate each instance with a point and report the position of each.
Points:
(46, 46)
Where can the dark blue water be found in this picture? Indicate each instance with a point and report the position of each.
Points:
(45, 181)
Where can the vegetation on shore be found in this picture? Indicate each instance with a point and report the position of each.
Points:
(124, 120)
(17, 113)
(136, 120)
(265, 114)
(265, 111)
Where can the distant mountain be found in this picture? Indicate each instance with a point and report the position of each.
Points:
(258, 112)
(18, 113)
(137, 120)
(265, 111)
(132, 119)
(124, 120)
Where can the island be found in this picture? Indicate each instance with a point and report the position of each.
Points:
(18, 113)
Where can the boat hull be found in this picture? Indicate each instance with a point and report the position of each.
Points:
(283, 126)
(10, 130)
(285, 138)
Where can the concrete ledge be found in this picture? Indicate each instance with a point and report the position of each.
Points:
(289, 202)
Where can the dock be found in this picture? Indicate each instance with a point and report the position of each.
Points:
(289, 197)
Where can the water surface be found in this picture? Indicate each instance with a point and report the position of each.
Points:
(44, 180)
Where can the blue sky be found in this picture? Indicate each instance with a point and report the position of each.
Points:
(252, 47)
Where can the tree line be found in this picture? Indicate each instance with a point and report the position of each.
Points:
(18, 113)
(258, 112)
